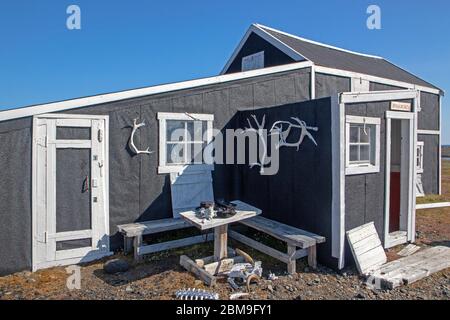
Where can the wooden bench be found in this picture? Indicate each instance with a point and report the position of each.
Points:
(133, 233)
(293, 237)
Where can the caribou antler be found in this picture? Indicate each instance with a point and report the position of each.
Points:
(131, 142)
(278, 128)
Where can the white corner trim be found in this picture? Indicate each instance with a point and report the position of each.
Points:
(351, 74)
(318, 43)
(147, 91)
(313, 83)
(338, 180)
(254, 28)
(440, 148)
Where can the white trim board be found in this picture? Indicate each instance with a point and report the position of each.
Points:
(373, 96)
(430, 132)
(338, 180)
(432, 205)
(147, 91)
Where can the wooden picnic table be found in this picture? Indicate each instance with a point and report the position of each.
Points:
(220, 225)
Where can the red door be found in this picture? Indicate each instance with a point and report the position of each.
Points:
(394, 204)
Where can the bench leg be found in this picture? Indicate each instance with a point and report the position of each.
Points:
(291, 265)
(312, 257)
(127, 244)
(137, 243)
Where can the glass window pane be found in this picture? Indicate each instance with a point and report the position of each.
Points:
(175, 130)
(354, 133)
(354, 153)
(196, 155)
(195, 130)
(364, 153)
(175, 153)
(69, 133)
(365, 136)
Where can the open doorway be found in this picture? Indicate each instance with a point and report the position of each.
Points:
(399, 178)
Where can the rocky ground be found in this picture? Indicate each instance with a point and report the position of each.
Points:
(160, 275)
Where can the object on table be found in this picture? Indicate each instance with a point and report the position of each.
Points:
(206, 210)
(196, 294)
(209, 210)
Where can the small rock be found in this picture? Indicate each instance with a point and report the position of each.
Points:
(270, 288)
(115, 266)
(360, 295)
(317, 280)
(129, 289)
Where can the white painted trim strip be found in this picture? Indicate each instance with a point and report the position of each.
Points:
(373, 96)
(338, 180)
(432, 205)
(184, 116)
(431, 132)
(122, 95)
(351, 74)
(440, 148)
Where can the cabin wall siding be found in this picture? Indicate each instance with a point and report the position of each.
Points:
(299, 195)
(364, 194)
(15, 195)
(430, 175)
(330, 85)
(137, 192)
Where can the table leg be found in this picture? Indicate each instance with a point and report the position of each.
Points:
(220, 242)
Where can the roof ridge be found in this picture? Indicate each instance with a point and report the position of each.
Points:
(262, 27)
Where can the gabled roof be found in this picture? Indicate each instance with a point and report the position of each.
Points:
(331, 57)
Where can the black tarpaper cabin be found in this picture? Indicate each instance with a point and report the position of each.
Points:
(69, 175)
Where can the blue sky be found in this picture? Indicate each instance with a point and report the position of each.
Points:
(128, 44)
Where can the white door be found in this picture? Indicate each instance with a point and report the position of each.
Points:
(70, 189)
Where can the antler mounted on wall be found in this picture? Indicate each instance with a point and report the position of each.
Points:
(259, 130)
(131, 142)
(283, 129)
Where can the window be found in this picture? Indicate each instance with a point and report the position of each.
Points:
(362, 145)
(419, 159)
(182, 139)
(253, 61)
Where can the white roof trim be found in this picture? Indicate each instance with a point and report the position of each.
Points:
(319, 43)
(135, 93)
(254, 28)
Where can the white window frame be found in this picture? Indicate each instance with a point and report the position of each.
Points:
(420, 145)
(164, 167)
(253, 61)
(362, 168)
